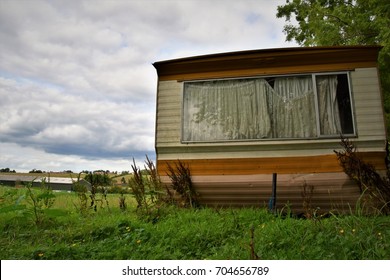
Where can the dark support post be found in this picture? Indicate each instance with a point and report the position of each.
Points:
(272, 202)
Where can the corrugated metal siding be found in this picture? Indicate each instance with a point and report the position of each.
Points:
(284, 165)
(331, 190)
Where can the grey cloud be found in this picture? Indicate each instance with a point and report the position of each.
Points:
(62, 124)
(76, 77)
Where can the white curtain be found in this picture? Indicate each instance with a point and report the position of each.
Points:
(258, 108)
(293, 108)
(328, 105)
(226, 110)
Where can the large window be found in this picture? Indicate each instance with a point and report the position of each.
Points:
(304, 106)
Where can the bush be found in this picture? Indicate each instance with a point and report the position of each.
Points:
(182, 183)
(374, 188)
(147, 190)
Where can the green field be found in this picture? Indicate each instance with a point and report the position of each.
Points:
(65, 232)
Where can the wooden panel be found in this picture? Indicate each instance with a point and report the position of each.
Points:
(285, 165)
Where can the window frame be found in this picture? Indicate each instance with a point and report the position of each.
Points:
(316, 105)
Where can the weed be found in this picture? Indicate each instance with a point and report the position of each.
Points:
(154, 182)
(374, 188)
(310, 212)
(97, 194)
(180, 176)
(81, 191)
(147, 190)
(11, 201)
(253, 255)
(183, 233)
(307, 195)
(40, 200)
(122, 202)
(138, 187)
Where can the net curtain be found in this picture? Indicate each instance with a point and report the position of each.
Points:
(258, 109)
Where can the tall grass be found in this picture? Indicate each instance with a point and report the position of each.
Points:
(185, 233)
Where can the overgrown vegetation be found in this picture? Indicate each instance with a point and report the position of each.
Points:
(147, 224)
(180, 176)
(40, 201)
(185, 233)
(374, 187)
(148, 191)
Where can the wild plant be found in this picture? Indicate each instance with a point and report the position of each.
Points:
(158, 192)
(374, 189)
(101, 199)
(122, 202)
(253, 254)
(307, 197)
(11, 201)
(40, 200)
(180, 176)
(98, 193)
(81, 191)
(138, 186)
(147, 190)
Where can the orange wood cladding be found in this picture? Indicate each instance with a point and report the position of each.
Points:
(281, 165)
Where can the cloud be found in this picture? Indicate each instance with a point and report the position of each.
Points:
(49, 119)
(76, 77)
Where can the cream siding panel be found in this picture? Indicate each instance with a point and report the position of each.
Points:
(168, 113)
(368, 104)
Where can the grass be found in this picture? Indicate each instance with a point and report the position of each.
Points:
(177, 233)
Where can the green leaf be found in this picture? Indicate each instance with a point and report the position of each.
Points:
(12, 208)
(53, 213)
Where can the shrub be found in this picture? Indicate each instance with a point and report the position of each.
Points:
(182, 183)
(40, 200)
(147, 190)
(374, 188)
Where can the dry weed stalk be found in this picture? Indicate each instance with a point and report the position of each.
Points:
(374, 187)
(180, 176)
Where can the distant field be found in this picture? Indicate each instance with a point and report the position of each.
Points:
(117, 178)
(52, 174)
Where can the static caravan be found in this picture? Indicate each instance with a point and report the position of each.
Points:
(235, 119)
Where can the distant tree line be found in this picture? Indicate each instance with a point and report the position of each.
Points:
(101, 171)
(36, 171)
(7, 170)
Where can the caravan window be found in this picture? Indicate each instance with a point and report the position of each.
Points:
(281, 107)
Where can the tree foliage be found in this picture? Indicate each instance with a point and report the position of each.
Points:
(342, 22)
(98, 179)
(7, 170)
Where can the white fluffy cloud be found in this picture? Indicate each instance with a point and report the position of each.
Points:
(77, 85)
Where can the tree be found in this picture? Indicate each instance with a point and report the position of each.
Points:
(36, 171)
(7, 170)
(98, 179)
(342, 22)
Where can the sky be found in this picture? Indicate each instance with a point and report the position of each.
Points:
(77, 84)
